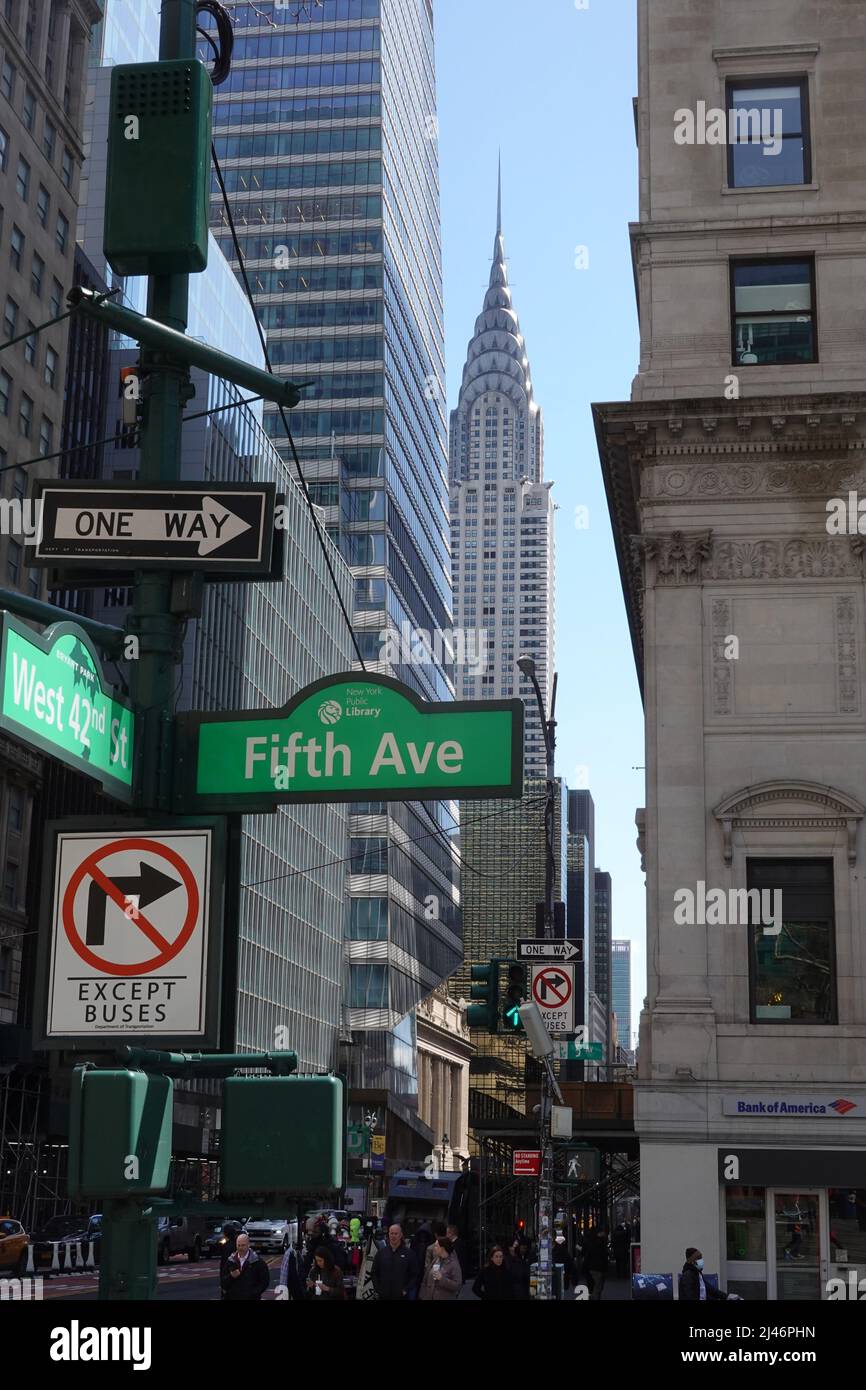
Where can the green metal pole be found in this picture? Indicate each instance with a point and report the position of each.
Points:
(168, 388)
(128, 1264)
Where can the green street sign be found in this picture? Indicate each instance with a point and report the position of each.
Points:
(351, 737)
(567, 1050)
(54, 696)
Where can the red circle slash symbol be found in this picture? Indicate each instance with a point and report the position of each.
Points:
(166, 950)
(551, 988)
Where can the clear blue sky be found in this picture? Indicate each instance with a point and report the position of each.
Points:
(553, 85)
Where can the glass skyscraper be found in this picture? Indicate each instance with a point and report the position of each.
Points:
(326, 134)
(620, 970)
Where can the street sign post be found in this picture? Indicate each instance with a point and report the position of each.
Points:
(131, 935)
(55, 697)
(183, 526)
(350, 737)
(526, 1163)
(553, 992)
(530, 948)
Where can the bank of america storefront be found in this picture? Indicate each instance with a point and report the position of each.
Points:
(793, 1216)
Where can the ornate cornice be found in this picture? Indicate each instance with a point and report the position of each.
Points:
(752, 807)
(695, 557)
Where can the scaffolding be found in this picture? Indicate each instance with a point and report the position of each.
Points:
(33, 1169)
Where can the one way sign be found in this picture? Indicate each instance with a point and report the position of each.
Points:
(530, 948)
(186, 526)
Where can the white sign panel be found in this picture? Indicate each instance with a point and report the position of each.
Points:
(129, 934)
(771, 1106)
(553, 992)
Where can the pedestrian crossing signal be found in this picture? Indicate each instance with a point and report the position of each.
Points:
(515, 995)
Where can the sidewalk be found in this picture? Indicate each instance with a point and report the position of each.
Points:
(615, 1291)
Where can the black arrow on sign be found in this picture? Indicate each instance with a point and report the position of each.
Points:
(550, 982)
(150, 885)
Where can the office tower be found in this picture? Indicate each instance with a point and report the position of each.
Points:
(726, 474)
(502, 514)
(620, 976)
(326, 133)
(503, 849)
(601, 985)
(42, 80)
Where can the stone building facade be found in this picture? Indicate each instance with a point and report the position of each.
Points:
(748, 617)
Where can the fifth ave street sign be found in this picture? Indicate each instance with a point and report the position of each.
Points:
(186, 526)
(351, 737)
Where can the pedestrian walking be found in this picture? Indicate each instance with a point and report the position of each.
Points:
(394, 1268)
(325, 1279)
(519, 1263)
(694, 1288)
(291, 1277)
(621, 1242)
(494, 1284)
(245, 1275)
(595, 1262)
(443, 1279)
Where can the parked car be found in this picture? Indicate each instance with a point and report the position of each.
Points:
(215, 1237)
(276, 1233)
(180, 1235)
(60, 1231)
(13, 1245)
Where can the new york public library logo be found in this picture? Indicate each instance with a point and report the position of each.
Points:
(731, 907)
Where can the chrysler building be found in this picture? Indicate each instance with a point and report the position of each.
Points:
(502, 513)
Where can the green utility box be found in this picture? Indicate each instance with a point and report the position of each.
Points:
(158, 183)
(282, 1134)
(119, 1133)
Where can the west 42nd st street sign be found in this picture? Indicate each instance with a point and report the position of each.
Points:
(54, 696)
(351, 737)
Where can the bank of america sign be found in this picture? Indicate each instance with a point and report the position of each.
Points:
(808, 1106)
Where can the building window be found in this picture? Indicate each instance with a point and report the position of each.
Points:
(13, 561)
(768, 137)
(10, 318)
(28, 110)
(10, 878)
(368, 987)
(56, 297)
(34, 582)
(5, 969)
(792, 971)
(5, 392)
(43, 203)
(7, 80)
(368, 918)
(369, 856)
(4, 150)
(62, 231)
(773, 312)
(22, 180)
(16, 810)
(49, 137)
(25, 416)
(46, 436)
(50, 366)
(66, 167)
(36, 274)
(16, 247)
(30, 346)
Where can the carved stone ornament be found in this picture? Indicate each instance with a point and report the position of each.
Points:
(826, 557)
(817, 808)
(677, 556)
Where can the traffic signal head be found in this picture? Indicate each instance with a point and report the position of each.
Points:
(485, 989)
(515, 995)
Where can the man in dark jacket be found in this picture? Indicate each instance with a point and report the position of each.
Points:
(595, 1262)
(694, 1288)
(394, 1269)
(621, 1242)
(245, 1276)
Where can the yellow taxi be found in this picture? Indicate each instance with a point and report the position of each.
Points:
(13, 1243)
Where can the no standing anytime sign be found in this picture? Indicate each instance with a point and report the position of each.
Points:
(133, 938)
